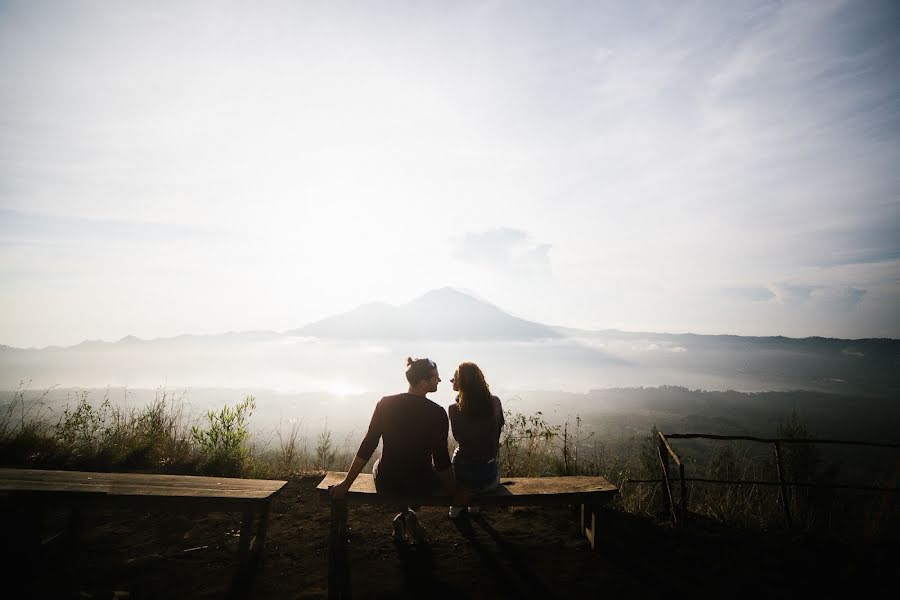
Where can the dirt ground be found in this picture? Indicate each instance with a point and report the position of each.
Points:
(528, 552)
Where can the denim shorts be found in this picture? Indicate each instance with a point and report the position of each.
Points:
(478, 476)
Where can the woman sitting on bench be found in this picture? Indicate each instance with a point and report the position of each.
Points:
(476, 419)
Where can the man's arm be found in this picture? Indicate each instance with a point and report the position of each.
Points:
(366, 448)
(338, 491)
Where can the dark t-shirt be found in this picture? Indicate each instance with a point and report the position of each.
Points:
(414, 430)
(479, 437)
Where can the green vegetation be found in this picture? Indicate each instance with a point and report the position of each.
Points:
(223, 444)
(163, 437)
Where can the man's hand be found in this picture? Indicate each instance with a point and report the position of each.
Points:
(338, 491)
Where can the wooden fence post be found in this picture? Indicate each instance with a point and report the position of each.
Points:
(664, 463)
(784, 496)
(683, 494)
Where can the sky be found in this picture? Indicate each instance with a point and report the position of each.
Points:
(203, 167)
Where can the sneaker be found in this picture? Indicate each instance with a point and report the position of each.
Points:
(455, 512)
(399, 524)
(474, 510)
(414, 529)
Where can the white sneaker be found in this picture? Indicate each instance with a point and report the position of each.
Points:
(414, 529)
(399, 525)
(455, 511)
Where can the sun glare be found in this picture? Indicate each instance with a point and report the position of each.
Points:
(342, 388)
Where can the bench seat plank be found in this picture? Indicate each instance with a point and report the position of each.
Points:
(135, 484)
(513, 491)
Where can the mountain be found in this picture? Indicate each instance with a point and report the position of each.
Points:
(445, 314)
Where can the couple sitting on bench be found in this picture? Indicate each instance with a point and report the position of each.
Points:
(414, 459)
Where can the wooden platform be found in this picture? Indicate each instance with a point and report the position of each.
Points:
(513, 491)
(29, 492)
(589, 492)
(129, 489)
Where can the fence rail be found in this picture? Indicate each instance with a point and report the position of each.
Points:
(749, 438)
(839, 486)
(666, 452)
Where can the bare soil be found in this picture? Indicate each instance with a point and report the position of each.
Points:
(506, 553)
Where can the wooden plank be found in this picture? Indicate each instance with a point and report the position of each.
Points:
(161, 479)
(135, 484)
(133, 490)
(512, 491)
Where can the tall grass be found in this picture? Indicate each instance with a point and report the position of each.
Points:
(102, 437)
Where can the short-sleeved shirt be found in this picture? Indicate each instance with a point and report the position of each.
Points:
(414, 430)
(478, 437)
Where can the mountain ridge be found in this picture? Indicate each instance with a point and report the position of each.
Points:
(442, 314)
(448, 314)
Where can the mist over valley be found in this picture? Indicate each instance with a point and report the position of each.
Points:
(333, 371)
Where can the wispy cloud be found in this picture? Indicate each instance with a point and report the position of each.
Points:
(504, 249)
(751, 294)
(19, 227)
(789, 293)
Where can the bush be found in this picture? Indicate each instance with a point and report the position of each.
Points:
(526, 445)
(326, 452)
(223, 444)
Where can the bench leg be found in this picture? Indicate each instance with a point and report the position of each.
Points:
(589, 524)
(239, 587)
(338, 568)
(75, 531)
(246, 536)
(33, 528)
(259, 542)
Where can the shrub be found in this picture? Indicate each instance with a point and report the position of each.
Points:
(289, 450)
(223, 443)
(326, 452)
(526, 446)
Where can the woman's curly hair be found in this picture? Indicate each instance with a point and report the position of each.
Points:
(474, 393)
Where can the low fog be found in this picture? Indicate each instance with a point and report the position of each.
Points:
(335, 370)
(317, 381)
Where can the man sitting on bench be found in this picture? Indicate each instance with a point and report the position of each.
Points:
(414, 430)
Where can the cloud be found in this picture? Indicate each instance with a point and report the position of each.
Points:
(752, 293)
(823, 298)
(503, 249)
(790, 293)
(31, 227)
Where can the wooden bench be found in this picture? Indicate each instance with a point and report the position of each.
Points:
(32, 491)
(588, 492)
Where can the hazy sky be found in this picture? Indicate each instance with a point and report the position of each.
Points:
(713, 167)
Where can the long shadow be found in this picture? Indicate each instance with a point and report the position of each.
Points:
(417, 564)
(512, 588)
(522, 582)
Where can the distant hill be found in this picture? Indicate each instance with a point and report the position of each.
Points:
(445, 314)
